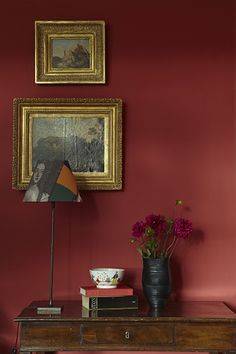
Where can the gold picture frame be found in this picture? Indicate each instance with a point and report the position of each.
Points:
(85, 131)
(70, 52)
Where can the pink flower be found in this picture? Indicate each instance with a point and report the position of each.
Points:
(182, 228)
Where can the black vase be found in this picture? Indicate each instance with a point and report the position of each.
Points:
(156, 281)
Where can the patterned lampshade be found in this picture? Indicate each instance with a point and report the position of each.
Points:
(52, 181)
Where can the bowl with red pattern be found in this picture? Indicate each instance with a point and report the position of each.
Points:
(107, 278)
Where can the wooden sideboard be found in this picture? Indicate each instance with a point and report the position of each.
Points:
(181, 326)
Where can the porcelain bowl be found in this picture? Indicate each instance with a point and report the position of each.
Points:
(107, 277)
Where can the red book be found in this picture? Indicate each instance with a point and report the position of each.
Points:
(121, 290)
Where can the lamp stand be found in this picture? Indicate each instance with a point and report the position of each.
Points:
(51, 309)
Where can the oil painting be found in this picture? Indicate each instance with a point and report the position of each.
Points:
(78, 140)
(70, 52)
(87, 132)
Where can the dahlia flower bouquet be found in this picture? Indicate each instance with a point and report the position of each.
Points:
(157, 236)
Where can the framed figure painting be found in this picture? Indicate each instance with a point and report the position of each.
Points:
(86, 132)
(70, 52)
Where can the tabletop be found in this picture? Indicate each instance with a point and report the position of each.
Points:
(181, 311)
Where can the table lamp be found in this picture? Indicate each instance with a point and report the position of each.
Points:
(52, 181)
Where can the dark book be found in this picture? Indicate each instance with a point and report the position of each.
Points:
(130, 312)
(110, 302)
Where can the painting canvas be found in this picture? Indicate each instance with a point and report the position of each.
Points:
(80, 141)
(85, 132)
(71, 53)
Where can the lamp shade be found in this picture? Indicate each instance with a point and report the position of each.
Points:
(52, 181)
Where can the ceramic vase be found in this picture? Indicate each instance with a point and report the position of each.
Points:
(156, 281)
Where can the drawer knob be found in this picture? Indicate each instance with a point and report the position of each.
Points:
(126, 335)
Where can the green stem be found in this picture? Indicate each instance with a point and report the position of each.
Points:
(165, 243)
(173, 248)
(170, 246)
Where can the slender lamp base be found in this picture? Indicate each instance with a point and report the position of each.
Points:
(50, 309)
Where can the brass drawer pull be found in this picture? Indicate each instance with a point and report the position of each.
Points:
(126, 335)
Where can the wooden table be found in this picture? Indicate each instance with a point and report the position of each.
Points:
(183, 326)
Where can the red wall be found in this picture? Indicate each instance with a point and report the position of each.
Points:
(172, 63)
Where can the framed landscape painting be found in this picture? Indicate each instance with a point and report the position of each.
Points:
(86, 132)
(70, 52)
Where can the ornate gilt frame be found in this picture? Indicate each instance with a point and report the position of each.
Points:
(39, 120)
(53, 37)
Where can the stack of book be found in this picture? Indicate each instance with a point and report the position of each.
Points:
(121, 297)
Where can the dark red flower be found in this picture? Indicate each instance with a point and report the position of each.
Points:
(182, 228)
(156, 222)
(138, 229)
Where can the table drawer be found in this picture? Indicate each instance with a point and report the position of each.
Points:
(205, 337)
(50, 336)
(131, 335)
